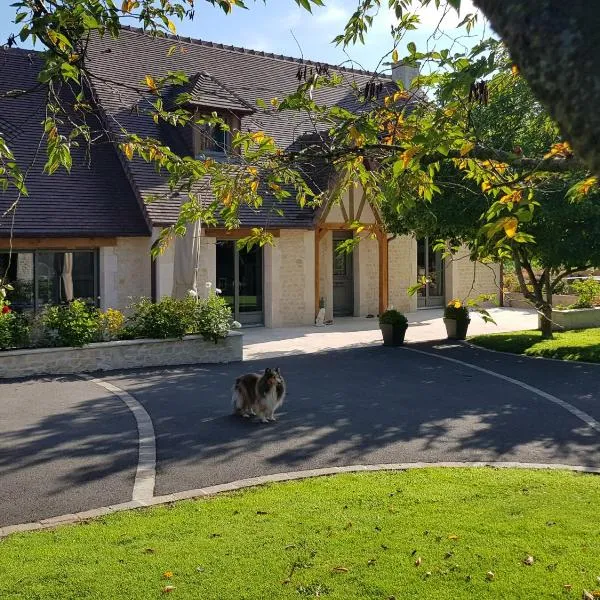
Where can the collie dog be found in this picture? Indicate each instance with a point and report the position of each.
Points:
(259, 394)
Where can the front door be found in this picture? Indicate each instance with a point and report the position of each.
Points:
(240, 279)
(343, 277)
(430, 264)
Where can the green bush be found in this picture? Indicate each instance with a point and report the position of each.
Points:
(110, 325)
(588, 293)
(169, 318)
(213, 318)
(14, 329)
(73, 324)
(393, 317)
(455, 309)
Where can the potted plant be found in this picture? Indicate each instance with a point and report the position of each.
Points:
(456, 320)
(393, 325)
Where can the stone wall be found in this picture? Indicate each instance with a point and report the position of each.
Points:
(466, 279)
(126, 354)
(574, 318)
(366, 277)
(402, 269)
(296, 281)
(125, 272)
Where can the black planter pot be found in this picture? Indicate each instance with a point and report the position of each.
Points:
(393, 335)
(456, 329)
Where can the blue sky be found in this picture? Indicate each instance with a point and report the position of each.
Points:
(269, 27)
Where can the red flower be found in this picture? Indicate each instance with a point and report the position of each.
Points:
(5, 309)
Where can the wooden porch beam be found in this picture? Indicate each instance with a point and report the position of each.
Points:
(382, 244)
(48, 243)
(234, 234)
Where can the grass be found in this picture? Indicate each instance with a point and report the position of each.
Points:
(342, 537)
(582, 344)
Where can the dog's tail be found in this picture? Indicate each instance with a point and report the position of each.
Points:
(237, 397)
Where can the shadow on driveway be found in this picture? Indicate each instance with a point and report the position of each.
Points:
(364, 405)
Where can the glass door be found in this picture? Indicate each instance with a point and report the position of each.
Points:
(240, 279)
(430, 265)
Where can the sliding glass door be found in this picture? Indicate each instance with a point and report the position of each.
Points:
(240, 279)
(430, 265)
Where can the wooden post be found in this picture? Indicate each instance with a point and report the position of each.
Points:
(383, 270)
(317, 269)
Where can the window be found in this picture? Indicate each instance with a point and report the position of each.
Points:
(211, 140)
(45, 277)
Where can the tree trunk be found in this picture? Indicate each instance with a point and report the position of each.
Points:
(556, 45)
(546, 321)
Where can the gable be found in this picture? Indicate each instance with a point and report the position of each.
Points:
(354, 206)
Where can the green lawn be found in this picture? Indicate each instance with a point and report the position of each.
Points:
(583, 344)
(433, 533)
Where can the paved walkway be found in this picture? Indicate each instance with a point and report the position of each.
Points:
(70, 445)
(424, 326)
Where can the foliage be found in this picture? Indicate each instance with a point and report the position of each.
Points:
(14, 328)
(580, 344)
(393, 317)
(213, 318)
(73, 324)
(168, 318)
(356, 535)
(588, 293)
(110, 325)
(456, 310)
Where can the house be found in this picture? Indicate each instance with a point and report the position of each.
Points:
(89, 233)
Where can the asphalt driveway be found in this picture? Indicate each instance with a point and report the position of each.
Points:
(68, 445)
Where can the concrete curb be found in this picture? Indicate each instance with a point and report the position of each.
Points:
(145, 476)
(277, 477)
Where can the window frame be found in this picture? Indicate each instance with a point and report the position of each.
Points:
(37, 306)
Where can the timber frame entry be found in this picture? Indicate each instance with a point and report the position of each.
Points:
(352, 214)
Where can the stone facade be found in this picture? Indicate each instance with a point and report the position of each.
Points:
(289, 278)
(366, 277)
(402, 273)
(126, 354)
(466, 279)
(125, 272)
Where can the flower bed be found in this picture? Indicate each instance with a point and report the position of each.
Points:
(76, 338)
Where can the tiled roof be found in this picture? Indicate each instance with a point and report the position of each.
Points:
(120, 66)
(95, 199)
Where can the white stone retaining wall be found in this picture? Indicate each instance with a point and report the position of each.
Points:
(575, 318)
(124, 354)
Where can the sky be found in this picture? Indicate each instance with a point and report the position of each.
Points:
(281, 27)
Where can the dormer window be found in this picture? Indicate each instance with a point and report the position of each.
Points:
(211, 140)
(207, 95)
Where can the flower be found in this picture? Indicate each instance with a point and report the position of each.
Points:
(192, 293)
(218, 291)
(455, 303)
(5, 309)
(168, 574)
(236, 325)
(208, 285)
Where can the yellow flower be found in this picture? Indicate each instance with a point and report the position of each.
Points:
(168, 574)
(455, 303)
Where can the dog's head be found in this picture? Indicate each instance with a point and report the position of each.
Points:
(273, 376)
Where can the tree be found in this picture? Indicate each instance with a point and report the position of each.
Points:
(401, 135)
(563, 236)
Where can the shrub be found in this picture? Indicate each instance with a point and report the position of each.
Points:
(393, 317)
(213, 318)
(73, 324)
(110, 325)
(456, 310)
(588, 293)
(14, 328)
(169, 318)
